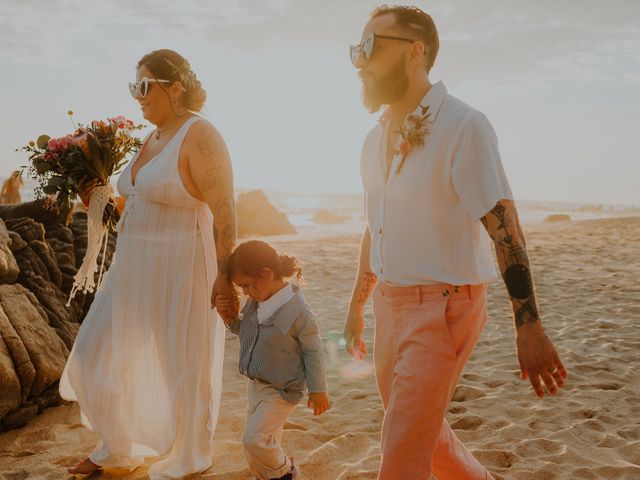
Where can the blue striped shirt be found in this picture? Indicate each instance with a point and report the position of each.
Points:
(285, 350)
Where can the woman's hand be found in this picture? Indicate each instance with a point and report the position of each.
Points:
(225, 307)
(224, 298)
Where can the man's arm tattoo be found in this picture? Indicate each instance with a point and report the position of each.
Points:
(503, 227)
(368, 284)
(217, 185)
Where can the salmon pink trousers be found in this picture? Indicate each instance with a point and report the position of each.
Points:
(423, 337)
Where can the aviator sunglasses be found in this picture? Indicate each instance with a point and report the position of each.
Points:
(141, 88)
(366, 47)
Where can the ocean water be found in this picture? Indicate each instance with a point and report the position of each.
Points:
(301, 207)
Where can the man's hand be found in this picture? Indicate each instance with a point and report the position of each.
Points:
(353, 328)
(539, 360)
(225, 298)
(319, 401)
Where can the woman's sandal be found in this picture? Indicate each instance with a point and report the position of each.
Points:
(85, 467)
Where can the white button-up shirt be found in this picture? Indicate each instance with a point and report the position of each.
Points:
(424, 221)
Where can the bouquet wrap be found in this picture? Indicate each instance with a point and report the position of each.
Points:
(97, 240)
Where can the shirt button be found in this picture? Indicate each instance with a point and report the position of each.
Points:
(380, 231)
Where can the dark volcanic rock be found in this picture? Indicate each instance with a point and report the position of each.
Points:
(19, 417)
(39, 255)
(46, 350)
(10, 391)
(37, 211)
(9, 269)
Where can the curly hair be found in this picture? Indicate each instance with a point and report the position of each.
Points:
(170, 65)
(252, 257)
(417, 22)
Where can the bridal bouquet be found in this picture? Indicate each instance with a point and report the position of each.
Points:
(64, 166)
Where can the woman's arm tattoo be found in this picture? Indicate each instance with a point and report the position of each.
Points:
(217, 187)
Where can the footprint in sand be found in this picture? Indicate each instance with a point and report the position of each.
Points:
(496, 458)
(288, 425)
(464, 393)
(605, 386)
(20, 475)
(631, 452)
(538, 447)
(629, 434)
(593, 424)
(455, 409)
(494, 383)
(470, 422)
(611, 442)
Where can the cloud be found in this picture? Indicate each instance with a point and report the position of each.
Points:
(501, 40)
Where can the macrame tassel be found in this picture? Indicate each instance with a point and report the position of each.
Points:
(97, 239)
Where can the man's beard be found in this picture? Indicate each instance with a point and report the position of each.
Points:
(386, 90)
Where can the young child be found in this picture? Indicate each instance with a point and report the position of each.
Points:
(280, 352)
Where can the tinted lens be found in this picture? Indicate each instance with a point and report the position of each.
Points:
(367, 46)
(143, 87)
(354, 51)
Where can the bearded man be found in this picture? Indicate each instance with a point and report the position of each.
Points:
(434, 187)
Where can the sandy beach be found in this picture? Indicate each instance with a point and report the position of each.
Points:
(587, 277)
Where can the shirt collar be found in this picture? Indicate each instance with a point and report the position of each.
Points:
(285, 315)
(273, 303)
(434, 98)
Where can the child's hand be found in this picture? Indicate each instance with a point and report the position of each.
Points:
(319, 401)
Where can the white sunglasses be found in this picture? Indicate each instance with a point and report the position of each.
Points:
(141, 88)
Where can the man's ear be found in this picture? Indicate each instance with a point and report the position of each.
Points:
(417, 53)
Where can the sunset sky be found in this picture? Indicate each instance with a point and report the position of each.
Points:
(560, 81)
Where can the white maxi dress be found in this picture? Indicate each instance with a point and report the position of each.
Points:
(146, 366)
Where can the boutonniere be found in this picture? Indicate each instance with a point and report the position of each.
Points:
(412, 134)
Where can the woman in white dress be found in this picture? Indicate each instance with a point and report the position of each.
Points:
(146, 366)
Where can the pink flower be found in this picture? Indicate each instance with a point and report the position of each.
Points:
(52, 144)
(121, 122)
(63, 143)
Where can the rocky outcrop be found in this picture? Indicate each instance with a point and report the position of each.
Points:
(558, 217)
(327, 217)
(39, 256)
(9, 270)
(257, 216)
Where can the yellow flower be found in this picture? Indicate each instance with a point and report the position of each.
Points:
(70, 112)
